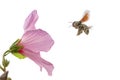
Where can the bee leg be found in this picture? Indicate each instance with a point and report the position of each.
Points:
(79, 31)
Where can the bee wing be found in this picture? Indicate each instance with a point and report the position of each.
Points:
(85, 17)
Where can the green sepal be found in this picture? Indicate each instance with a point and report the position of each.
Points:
(19, 55)
(15, 43)
(5, 62)
(15, 47)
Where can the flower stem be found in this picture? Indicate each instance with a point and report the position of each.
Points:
(5, 63)
(6, 53)
(1, 68)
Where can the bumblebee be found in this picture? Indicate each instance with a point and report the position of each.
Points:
(80, 26)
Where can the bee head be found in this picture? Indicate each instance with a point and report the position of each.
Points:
(76, 24)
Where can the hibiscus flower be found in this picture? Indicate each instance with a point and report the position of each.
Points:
(32, 43)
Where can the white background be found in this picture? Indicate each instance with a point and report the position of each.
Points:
(86, 57)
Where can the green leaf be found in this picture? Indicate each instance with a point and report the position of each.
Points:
(19, 55)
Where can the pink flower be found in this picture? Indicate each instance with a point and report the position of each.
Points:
(34, 41)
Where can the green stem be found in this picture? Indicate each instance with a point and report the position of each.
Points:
(1, 68)
(3, 58)
(6, 53)
(5, 63)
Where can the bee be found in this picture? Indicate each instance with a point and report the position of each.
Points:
(80, 26)
(4, 76)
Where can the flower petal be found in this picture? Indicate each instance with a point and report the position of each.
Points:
(38, 60)
(30, 21)
(37, 40)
